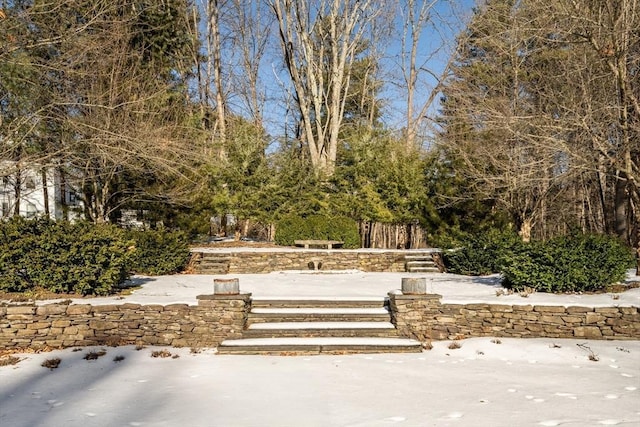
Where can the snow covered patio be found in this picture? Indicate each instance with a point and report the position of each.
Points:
(454, 289)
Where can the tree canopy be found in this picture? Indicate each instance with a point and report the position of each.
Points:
(429, 114)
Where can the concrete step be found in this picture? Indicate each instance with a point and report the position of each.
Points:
(420, 264)
(418, 256)
(318, 314)
(301, 325)
(210, 272)
(320, 329)
(319, 345)
(320, 302)
(209, 255)
(423, 270)
(214, 262)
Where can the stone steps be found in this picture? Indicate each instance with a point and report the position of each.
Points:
(420, 263)
(323, 325)
(211, 263)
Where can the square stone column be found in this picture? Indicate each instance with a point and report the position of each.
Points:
(415, 315)
(223, 316)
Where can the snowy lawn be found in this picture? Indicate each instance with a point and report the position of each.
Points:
(534, 382)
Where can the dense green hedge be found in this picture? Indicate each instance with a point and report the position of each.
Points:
(318, 227)
(481, 253)
(62, 257)
(82, 258)
(158, 251)
(573, 263)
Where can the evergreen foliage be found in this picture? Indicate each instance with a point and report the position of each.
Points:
(62, 257)
(573, 263)
(482, 253)
(379, 179)
(158, 252)
(317, 227)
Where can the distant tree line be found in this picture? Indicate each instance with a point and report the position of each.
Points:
(189, 109)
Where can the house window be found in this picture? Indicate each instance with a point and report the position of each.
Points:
(5, 209)
(30, 183)
(72, 198)
(32, 211)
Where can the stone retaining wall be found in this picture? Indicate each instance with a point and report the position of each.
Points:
(424, 317)
(220, 317)
(214, 319)
(267, 262)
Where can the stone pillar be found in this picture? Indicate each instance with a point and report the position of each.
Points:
(222, 317)
(415, 315)
(226, 286)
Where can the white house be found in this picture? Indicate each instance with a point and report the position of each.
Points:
(36, 192)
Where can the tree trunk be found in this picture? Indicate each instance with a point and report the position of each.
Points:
(214, 23)
(45, 192)
(620, 207)
(17, 189)
(525, 229)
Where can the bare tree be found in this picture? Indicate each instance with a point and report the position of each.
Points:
(503, 144)
(103, 100)
(319, 43)
(123, 116)
(209, 66)
(417, 15)
(251, 22)
(610, 30)
(215, 69)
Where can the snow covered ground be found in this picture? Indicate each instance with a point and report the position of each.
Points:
(534, 382)
(486, 382)
(351, 283)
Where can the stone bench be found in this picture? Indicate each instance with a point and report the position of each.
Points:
(329, 244)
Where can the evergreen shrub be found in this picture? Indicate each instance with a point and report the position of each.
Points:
(62, 257)
(482, 253)
(573, 263)
(317, 227)
(159, 252)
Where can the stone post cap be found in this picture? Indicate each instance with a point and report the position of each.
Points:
(226, 286)
(414, 285)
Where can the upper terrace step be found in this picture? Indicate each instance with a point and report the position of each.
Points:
(412, 256)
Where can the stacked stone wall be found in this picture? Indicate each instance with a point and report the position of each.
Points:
(267, 262)
(424, 317)
(220, 317)
(213, 320)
